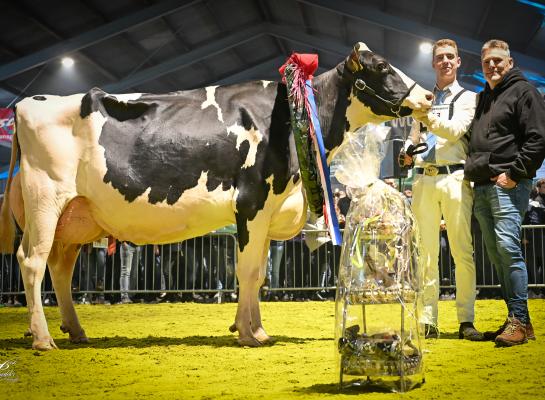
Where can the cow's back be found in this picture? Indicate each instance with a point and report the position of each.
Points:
(161, 168)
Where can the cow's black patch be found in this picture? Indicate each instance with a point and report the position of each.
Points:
(39, 98)
(165, 143)
(385, 81)
(246, 120)
(266, 110)
(332, 100)
(89, 102)
(124, 111)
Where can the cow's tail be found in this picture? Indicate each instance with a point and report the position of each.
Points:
(7, 223)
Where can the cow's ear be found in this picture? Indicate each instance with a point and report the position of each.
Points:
(353, 61)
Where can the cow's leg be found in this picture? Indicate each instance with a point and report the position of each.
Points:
(32, 261)
(42, 209)
(61, 266)
(250, 274)
(257, 326)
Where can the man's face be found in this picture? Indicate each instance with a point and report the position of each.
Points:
(445, 63)
(496, 63)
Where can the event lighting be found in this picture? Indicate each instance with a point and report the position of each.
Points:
(67, 62)
(426, 47)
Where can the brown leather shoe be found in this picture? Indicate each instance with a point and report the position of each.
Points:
(530, 335)
(513, 334)
(492, 335)
(469, 332)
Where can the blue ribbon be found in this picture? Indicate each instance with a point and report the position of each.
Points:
(332, 223)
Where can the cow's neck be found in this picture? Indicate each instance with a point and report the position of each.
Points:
(332, 98)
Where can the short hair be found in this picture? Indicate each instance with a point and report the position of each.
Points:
(496, 44)
(540, 182)
(443, 43)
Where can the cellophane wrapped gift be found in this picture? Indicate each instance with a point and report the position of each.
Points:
(378, 339)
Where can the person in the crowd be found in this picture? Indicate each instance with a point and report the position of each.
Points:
(440, 190)
(89, 273)
(130, 260)
(276, 251)
(506, 148)
(533, 236)
(536, 207)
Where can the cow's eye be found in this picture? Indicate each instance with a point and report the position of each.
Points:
(382, 66)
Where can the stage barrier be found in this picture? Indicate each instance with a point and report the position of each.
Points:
(204, 268)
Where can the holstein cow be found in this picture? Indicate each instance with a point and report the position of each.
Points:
(154, 168)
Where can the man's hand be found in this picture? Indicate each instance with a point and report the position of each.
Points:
(504, 181)
(422, 116)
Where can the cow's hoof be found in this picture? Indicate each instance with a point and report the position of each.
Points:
(233, 328)
(250, 342)
(28, 333)
(262, 336)
(44, 345)
(79, 337)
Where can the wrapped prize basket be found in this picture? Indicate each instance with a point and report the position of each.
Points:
(378, 339)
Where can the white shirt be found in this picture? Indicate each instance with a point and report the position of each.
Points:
(451, 146)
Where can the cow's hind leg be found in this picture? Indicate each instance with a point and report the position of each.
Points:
(32, 261)
(42, 209)
(61, 265)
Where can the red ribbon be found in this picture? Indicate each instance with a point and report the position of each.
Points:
(307, 63)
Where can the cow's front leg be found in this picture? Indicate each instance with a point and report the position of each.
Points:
(243, 319)
(257, 326)
(250, 274)
(61, 265)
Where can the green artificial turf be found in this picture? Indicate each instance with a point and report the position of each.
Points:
(185, 351)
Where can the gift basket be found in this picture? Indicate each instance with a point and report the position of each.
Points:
(377, 335)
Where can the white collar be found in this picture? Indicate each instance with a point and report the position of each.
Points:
(453, 87)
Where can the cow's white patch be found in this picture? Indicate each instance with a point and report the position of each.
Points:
(359, 114)
(211, 101)
(253, 137)
(266, 83)
(127, 96)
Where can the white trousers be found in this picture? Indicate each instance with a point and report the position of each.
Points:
(450, 196)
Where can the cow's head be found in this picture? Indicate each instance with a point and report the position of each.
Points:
(380, 92)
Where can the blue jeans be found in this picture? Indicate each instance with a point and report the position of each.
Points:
(500, 213)
(130, 257)
(276, 251)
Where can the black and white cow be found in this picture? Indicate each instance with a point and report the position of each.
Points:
(163, 168)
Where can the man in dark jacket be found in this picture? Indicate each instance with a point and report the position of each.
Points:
(506, 148)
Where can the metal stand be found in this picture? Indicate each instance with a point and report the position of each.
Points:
(401, 367)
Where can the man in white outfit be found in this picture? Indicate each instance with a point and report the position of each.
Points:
(440, 191)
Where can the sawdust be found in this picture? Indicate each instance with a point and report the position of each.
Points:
(184, 351)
